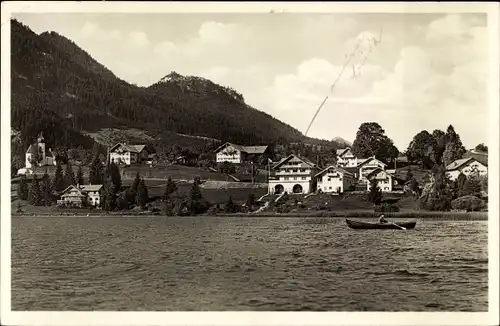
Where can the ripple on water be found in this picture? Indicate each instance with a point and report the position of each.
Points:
(245, 264)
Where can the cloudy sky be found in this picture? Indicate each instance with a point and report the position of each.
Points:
(427, 71)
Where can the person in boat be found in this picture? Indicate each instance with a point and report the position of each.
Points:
(382, 219)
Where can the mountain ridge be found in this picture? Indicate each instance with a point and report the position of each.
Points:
(60, 89)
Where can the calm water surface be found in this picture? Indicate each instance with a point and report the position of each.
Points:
(246, 263)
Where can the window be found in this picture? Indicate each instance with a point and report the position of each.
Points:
(303, 178)
(286, 178)
(302, 170)
(294, 170)
(294, 178)
(330, 187)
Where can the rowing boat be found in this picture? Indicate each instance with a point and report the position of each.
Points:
(370, 225)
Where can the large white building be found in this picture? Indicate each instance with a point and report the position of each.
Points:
(293, 175)
(334, 179)
(345, 158)
(38, 152)
(81, 195)
(367, 166)
(122, 153)
(237, 154)
(385, 179)
(467, 166)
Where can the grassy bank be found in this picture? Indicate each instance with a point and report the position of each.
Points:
(475, 216)
(427, 215)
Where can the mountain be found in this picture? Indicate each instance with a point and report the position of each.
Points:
(58, 88)
(342, 141)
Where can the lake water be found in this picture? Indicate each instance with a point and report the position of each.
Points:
(246, 263)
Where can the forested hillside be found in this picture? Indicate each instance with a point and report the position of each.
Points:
(61, 90)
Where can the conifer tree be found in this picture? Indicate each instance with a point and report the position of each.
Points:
(197, 204)
(170, 188)
(22, 188)
(79, 176)
(230, 207)
(69, 176)
(114, 173)
(250, 200)
(34, 195)
(96, 175)
(46, 189)
(58, 184)
(438, 194)
(375, 194)
(109, 195)
(141, 196)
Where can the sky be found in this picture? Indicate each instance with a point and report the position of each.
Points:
(424, 71)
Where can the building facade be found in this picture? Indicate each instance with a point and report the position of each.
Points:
(385, 180)
(467, 166)
(81, 196)
(293, 175)
(367, 166)
(237, 154)
(345, 158)
(334, 179)
(122, 153)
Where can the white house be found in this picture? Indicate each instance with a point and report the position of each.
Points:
(345, 158)
(334, 179)
(367, 166)
(385, 179)
(294, 175)
(127, 154)
(237, 154)
(81, 195)
(467, 166)
(37, 152)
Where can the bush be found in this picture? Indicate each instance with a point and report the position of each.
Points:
(468, 203)
(214, 210)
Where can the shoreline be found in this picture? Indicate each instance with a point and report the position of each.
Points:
(474, 216)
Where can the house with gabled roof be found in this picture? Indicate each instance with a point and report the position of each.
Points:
(123, 153)
(81, 196)
(334, 179)
(345, 158)
(467, 166)
(367, 166)
(237, 154)
(385, 179)
(293, 175)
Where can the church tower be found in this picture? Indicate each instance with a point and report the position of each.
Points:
(41, 145)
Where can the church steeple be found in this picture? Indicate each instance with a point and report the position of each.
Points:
(40, 137)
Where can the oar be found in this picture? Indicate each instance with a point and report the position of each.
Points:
(399, 226)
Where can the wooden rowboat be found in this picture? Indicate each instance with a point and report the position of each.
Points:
(386, 226)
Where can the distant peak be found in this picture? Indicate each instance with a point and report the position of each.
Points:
(171, 76)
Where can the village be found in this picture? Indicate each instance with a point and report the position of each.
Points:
(290, 181)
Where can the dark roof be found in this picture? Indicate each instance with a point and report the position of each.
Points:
(342, 151)
(341, 170)
(352, 169)
(458, 163)
(368, 160)
(129, 148)
(311, 164)
(245, 149)
(481, 157)
(377, 171)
